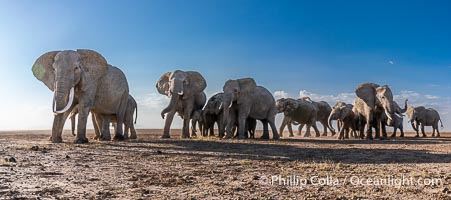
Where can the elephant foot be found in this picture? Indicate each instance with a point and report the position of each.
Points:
(104, 138)
(193, 135)
(241, 137)
(424, 136)
(166, 136)
(265, 137)
(299, 133)
(133, 137)
(307, 135)
(393, 135)
(56, 140)
(291, 135)
(119, 137)
(324, 134)
(97, 137)
(275, 137)
(81, 141)
(402, 135)
(369, 138)
(184, 136)
(416, 136)
(227, 137)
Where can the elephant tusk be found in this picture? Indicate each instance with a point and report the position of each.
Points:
(230, 106)
(180, 93)
(69, 104)
(388, 115)
(220, 106)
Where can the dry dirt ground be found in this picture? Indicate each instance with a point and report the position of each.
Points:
(209, 168)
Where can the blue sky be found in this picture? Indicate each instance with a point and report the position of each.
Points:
(320, 48)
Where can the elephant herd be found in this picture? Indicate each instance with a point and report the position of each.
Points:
(83, 82)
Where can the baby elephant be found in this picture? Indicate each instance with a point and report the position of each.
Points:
(346, 118)
(197, 118)
(128, 120)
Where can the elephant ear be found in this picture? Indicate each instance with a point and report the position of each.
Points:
(43, 69)
(163, 84)
(367, 92)
(197, 83)
(247, 84)
(93, 64)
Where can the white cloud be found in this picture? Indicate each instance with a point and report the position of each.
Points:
(346, 97)
(391, 62)
(280, 94)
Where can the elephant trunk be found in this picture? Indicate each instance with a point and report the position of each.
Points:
(329, 122)
(405, 107)
(72, 120)
(171, 106)
(61, 100)
(413, 125)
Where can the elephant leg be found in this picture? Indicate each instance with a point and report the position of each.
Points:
(347, 133)
(105, 127)
(402, 131)
(300, 129)
(167, 124)
(383, 130)
(275, 134)
(290, 130)
(83, 112)
(58, 125)
(394, 132)
(307, 132)
(230, 123)
(317, 134)
(438, 132)
(282, 126)
(325, 128)
(341, 134)
(265, 130)
(133, 131)
(185, 129)
(422, 130)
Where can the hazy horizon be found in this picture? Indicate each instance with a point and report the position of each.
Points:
(293, 48)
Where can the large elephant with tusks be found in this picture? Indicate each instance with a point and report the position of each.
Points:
(186, 92)
(85, 78)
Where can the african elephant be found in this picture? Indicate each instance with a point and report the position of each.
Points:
(324, 110)
(299, 111)
(420, 116)
(213, 113)
(347, 119)
(186, 92)
(85, 78)
(197, 119)
(371, 103)
(129, 124)
(244, 99)
(397, 119)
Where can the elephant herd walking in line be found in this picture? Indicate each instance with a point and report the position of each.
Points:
(83, 82)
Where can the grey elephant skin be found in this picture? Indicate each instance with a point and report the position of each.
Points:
(129, 121)
(371, 103)
(213, 113)
(186, 92)
(299, 111)
(244, 99)
(85, 78)
(324, 110)
(197, 119)
(397, 119)
(421, 116)
(347, 119)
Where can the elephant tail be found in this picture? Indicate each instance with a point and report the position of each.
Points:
(136, 114)
(441, 123)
